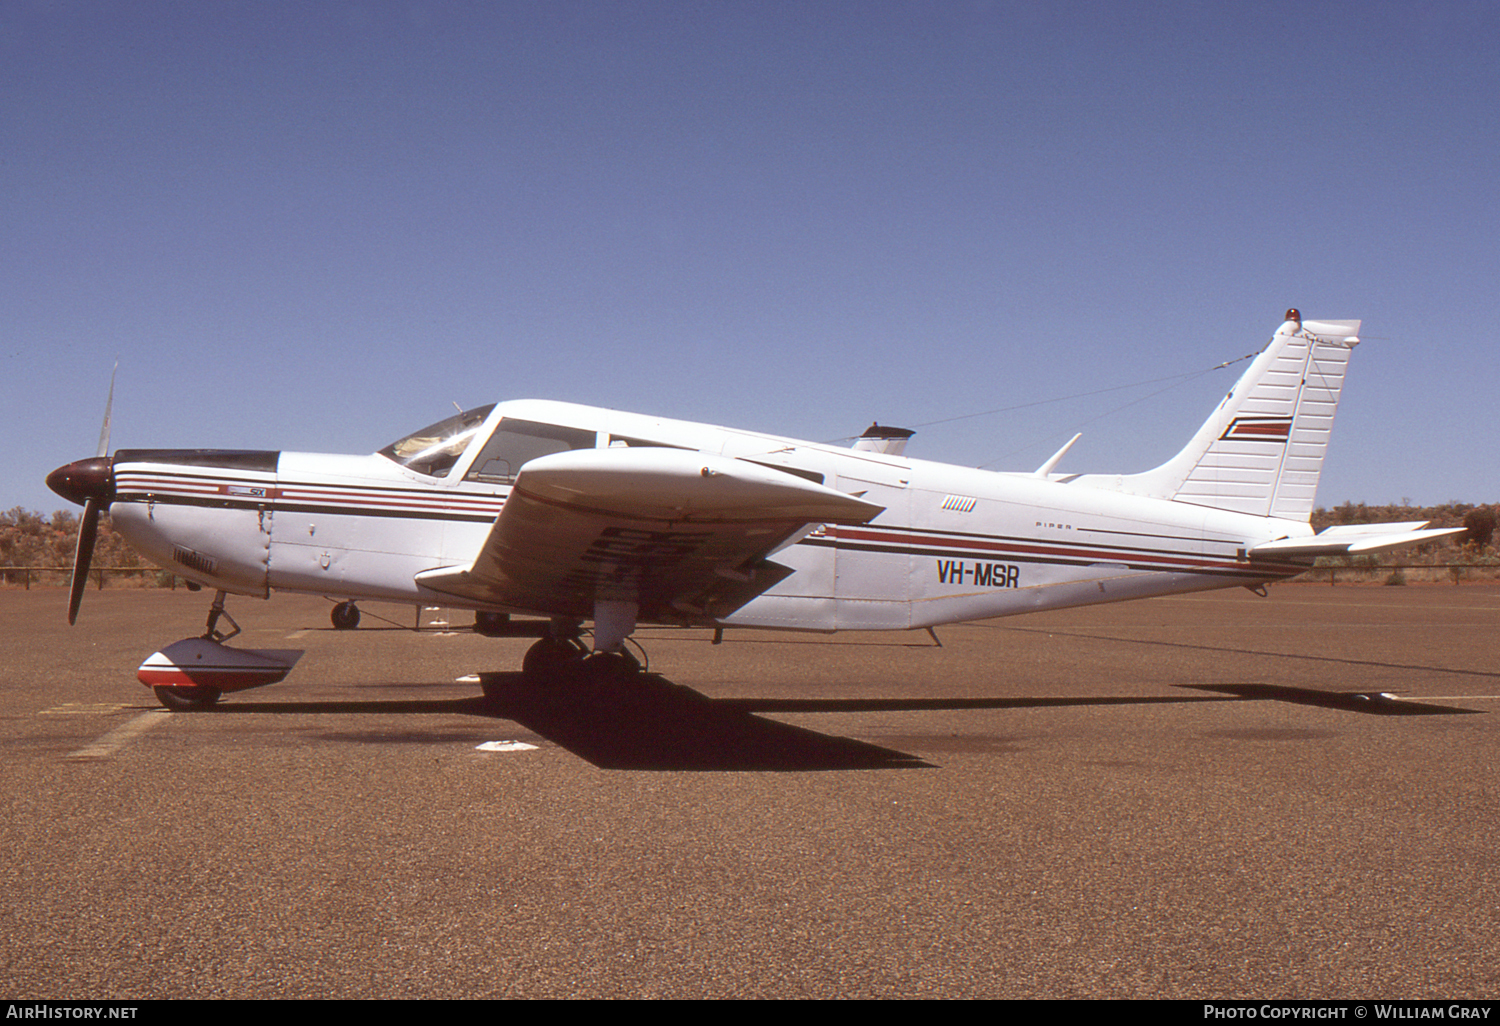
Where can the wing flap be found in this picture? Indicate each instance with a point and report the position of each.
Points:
(683, 534)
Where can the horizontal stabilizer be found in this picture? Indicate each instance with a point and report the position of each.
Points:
(1352, 540)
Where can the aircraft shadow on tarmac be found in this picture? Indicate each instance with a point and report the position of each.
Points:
(1374, 703)
(651, 723)
(1299, 657)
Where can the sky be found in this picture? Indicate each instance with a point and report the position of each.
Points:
(317, 226)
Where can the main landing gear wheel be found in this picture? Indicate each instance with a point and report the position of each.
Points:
(610, 667)
(551, 658)
(345, 616)
(186, 699)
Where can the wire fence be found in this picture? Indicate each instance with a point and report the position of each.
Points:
(26, 576)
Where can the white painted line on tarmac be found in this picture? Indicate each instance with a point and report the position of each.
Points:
(122, 735)
(85, 709)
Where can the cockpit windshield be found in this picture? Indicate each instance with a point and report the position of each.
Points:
(434, 449)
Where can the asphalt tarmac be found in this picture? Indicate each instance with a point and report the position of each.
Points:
(1195, 797)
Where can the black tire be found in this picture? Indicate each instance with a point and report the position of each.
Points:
(345, 616)
(549, 659)
(187, 699)
(611, 667)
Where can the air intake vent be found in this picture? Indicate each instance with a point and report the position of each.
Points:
(959, 503)
(195, 561)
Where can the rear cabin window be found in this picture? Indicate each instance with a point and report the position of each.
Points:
(517, 442)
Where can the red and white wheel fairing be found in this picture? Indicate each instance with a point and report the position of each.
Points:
(204, 663)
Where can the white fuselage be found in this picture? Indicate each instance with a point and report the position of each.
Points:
(953, 543)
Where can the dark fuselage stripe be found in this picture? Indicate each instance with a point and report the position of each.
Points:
(274, 506)
(1163, 565)
(995, 546)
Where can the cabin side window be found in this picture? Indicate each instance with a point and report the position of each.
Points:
(518, 442)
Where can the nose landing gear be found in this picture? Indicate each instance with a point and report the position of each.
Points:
(194, 673)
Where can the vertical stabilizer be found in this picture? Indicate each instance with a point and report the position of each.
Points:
(1262, 450)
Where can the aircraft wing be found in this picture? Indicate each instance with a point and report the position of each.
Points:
(684, 534)
(1352, 540)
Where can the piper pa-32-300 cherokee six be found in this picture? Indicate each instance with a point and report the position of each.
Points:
(562, 515)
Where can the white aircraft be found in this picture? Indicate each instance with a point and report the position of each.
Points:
(569, 515)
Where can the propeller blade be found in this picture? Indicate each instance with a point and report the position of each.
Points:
(88, 532)
(92, 483)
(108, 406)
